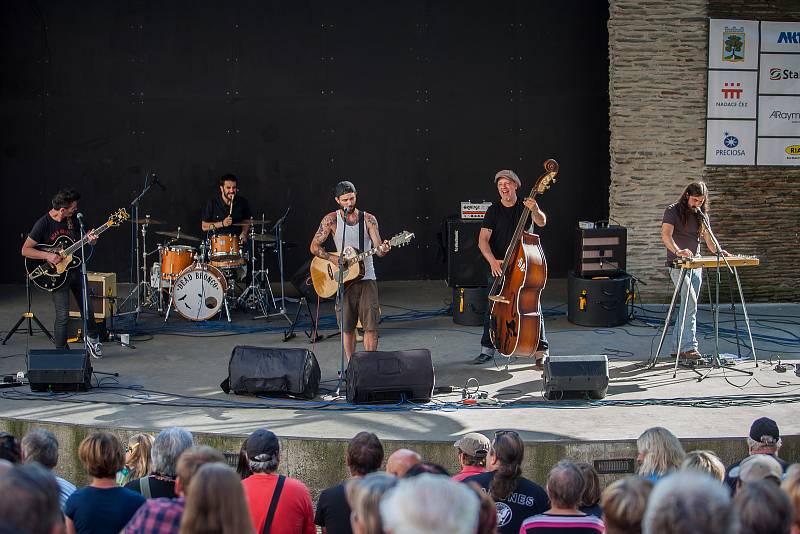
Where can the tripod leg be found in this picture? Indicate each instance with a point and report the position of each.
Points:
(666, 324)
(746, 317)
(41, 327)
(14, 329)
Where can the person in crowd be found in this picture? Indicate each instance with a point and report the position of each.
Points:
(137, 459)
(364, 456)
(401, 460)
(29, 501)
(706, 462)
(473, 448)
(294, 513)
(161, 516)
(590, 500)
(5, 465)
(564, 489)
(487, 511)
(764, 438)
(102, 506)
(688, 501)
(426, 467)
(660, 453)
(791, 485)
(41, 446)
(167, 447)
(755, 468)
(206, 512)
(762, 508)
(242, 466)
(430, 503)
(515, 497)
(10, 448)
(623, 503)
(363, 497)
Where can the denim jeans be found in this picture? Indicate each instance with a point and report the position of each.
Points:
(61, 302)
(486, 341)
(692, 278)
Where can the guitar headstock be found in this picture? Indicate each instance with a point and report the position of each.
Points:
(118, 217)
(403, 238)
(548, 178)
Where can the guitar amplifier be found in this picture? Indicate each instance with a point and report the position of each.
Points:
(466, 266)
(600, 251)
(100, 285)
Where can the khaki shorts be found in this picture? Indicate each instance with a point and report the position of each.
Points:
(360, 303)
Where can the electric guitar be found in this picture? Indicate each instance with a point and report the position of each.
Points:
(325, 273)
(50, 276)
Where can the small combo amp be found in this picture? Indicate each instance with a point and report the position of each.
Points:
(474, 210)
(571, 376)
(600, 251)
(262, 370)
(469, 305)
(101, 286)
(466, 266)
(390, 376)
(598, 302)
(59, 370)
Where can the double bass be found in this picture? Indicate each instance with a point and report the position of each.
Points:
(514, 321)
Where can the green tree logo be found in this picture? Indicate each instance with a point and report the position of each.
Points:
(733, 47)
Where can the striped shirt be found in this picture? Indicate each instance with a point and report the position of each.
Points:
(562, 524)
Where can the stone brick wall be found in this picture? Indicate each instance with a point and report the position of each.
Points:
(657, 88)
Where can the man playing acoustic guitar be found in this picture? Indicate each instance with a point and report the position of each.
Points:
(360, 296)
(57, 222)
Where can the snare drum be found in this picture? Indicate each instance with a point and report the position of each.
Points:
(225, 252)
(199, 292)
(175, 259)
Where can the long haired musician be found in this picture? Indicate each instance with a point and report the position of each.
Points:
(681, 232)
(496, 233)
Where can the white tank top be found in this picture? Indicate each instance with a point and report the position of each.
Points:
(352, 239)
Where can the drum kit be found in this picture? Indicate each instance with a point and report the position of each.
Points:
(198, 277)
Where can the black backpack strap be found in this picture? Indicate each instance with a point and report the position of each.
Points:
(273, 505)
(361, 230)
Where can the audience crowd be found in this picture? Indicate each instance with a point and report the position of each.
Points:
(166, 484)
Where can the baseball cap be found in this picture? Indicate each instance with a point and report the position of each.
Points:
(509, 175)
(262, 443)
(343, 188)
(764, 426)
(473, 444)
(759, 467)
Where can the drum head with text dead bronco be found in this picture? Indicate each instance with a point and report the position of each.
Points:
(198, 292)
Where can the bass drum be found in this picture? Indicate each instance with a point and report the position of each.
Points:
(198, 293)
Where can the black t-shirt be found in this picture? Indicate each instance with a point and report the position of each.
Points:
(158, 487)
(333, 512)
(216, 210)
(685, 235)
(46, 230)
(502, 221)
(527, 499)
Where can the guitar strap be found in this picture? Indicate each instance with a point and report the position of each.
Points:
(361, 230)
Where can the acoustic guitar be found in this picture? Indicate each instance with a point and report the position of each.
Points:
(325, 273)
(50, 276)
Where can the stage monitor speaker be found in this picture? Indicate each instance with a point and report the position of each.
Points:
(257, 370)
(600, 251)
(390, 376)
(601, 302)
(469, 305)
(570, 376)
(466, 266)
(59, 370)
(100, 285)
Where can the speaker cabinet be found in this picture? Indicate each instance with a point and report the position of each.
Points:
(600, 251)
(601, 302)
(570, 376)
(59, 370)
(257, 370)
(390, 376)
(469, 305)
(465, 263)
(100, 285)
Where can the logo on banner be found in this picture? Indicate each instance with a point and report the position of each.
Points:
(791, 116)
(733, 44)
(777, 74)
(793, 151)
(731, 143)
(731, 90)
(789, 38)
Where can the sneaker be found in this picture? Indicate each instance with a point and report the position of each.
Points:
(690, 354)
(482, 358)
(95, 348)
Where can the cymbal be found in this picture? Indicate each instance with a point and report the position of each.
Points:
(266, 238)
(179, 235)
(148, 221)
(252, 222)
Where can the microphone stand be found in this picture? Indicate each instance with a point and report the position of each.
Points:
(340, 303)
(85, 293)
(135, 251)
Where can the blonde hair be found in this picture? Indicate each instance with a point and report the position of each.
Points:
(215, 503)
(791, 486)
(364, 497)
(662, 452)
(140, 464)
(623, 503)
(705, 462)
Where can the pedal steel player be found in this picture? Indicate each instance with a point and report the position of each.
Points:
(61, 220)
(218, 216)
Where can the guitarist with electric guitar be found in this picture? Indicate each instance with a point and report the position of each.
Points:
(51, 252)
(360, 301)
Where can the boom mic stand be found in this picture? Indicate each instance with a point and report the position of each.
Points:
(340, 302)
(30, 316)
(84, 291)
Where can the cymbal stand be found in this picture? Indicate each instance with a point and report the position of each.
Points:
(254, 295)
(135, 250)
(278, 229)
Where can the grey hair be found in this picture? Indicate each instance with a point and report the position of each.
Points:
(688, 501)
(764, 442)
(364, 497)
(167, 447)
(430, 503)
(267, 466)
(40, 445)
(565, 485)
(30, 500)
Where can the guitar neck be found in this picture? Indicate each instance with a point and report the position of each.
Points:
(85, 239)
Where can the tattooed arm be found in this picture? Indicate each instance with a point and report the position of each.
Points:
(326, 227)
(375, 235)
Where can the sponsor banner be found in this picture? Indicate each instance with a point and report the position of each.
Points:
(779, 115)
(779, 151)
(733, 44)
(780, 74)
(780, 36)
(732, 94)
(730, 142)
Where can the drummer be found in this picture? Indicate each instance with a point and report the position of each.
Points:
(226, 210)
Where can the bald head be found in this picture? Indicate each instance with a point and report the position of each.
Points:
(401, 461)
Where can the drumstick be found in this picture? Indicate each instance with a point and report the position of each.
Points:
(230, 213)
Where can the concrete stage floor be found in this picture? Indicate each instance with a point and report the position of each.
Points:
(173, 376)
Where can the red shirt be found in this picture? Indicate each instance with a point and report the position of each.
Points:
(295, 513)
(468, 471)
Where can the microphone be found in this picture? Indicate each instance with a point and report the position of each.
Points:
(79, 216)
(158, 183)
